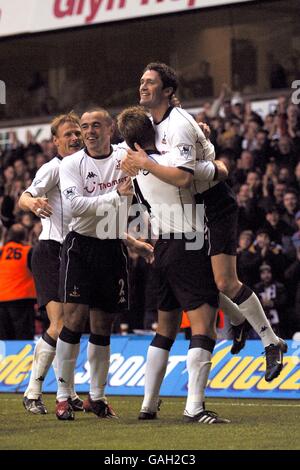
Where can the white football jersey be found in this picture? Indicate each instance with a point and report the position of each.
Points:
(89, 188)
(178, 133)
(171, 209)
(46, 184)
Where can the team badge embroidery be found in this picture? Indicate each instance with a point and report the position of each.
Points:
(75, 292)
(164, 140)
(70, 193)
(185, 150)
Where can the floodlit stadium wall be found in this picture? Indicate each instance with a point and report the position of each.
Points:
(240, 376)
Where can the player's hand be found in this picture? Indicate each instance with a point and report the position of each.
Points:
(135, 160)
(128, 166)
(205, 129)
(125, 188)
(143, 249)
(40, 207)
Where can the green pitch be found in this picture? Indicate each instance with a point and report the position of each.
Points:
(256, 424)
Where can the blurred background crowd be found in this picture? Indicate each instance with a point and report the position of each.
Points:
(263, 158)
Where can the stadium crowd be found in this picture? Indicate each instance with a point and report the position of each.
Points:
(263, 158)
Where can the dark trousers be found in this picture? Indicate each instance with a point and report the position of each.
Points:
(17, 319)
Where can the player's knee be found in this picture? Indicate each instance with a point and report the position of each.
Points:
(56, 326)
(75, 323)
(53, 332)
(226, 285)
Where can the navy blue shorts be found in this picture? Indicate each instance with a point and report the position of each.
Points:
(94, 272)
(45, 263)
(221, 219)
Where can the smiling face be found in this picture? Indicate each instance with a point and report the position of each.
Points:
(97, 130)
(68, 139)
(152, 93)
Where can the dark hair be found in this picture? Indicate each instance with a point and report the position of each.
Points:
(16, 233)
(167, 74)
(135, 126)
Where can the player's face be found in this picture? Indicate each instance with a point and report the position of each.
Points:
(152, 93)
(68, 139)
(96, 131)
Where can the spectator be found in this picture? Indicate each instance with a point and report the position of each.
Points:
(284, 151)
(273, 297)
(269, 253)
(17, 290)
(292, 277)
(290, 204)
(247, 261)
(251, 217)
(275, 227)
(244, 164)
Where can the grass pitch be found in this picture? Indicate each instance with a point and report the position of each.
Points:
(255, 424)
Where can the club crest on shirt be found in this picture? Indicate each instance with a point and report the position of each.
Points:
(118, 167)
(185, 150)
(164, 139)
(75, 292)
(70, 193)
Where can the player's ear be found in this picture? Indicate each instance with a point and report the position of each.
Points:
(169, 92)
(55, 139)
(112, 128)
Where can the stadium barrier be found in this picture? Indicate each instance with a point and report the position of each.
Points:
(240, 376)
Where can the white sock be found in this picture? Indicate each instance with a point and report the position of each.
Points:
(42, 360)
(254, 313)
(157, 361)
(73, 393)
(231, 310)
(98, 357)
(55, 367)
(66, 360)
(198, 366)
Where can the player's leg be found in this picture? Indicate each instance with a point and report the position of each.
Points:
(68, 343)
(45, 267)
(75, 289)
(98, 353)
(157, 360)
(202, 343)
(203, 321)
(108, 299)
(224, 268)
(44, 354)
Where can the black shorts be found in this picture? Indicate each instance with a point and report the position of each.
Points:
(221, 219)
(45, 264)
(94, 272)
(184, 277)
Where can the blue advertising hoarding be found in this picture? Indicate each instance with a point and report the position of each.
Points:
(239, 376)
